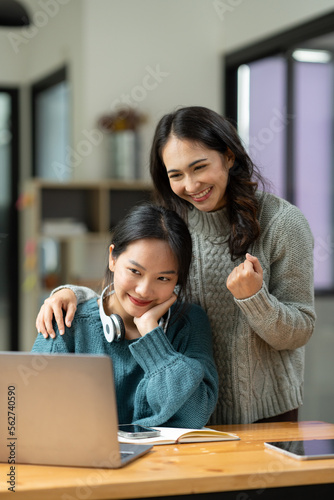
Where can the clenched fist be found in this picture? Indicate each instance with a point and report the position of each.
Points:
(246, 279)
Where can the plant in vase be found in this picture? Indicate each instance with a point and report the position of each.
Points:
(122, 129)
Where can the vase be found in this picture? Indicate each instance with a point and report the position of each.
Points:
(124, 154)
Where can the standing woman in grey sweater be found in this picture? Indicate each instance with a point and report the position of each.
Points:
(252, 268)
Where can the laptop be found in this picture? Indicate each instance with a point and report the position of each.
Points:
(60, 409)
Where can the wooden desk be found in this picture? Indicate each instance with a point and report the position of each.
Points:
(242, 469)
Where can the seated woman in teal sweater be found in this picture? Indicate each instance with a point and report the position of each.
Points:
(160, 346)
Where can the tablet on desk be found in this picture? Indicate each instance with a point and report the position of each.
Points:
(306, 449)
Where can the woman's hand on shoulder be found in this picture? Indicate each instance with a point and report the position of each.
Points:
(246, 279)
(150, 319)
(63, 300)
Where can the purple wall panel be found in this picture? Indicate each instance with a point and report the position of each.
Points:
(268, 119)
(313, 155)
(313, 160)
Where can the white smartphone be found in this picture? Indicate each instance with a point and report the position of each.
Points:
(134, 431)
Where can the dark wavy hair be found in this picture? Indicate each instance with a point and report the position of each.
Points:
(215, 132)
(149, 221)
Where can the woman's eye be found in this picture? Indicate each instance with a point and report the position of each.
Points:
(134, 271)
(198, 167)
(163, 278)
(174, 176)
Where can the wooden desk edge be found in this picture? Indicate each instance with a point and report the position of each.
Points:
(95, 484)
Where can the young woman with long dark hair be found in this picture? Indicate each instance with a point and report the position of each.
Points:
(160, 345)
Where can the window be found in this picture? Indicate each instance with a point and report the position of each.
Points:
(280, 93)
(51, 127)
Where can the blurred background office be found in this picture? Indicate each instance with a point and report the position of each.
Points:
(82, 86)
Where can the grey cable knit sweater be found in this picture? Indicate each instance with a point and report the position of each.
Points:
(258, 342)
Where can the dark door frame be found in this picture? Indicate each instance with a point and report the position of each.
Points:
(12, 266)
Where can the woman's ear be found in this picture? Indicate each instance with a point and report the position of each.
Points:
(230, 158)
(112, 260)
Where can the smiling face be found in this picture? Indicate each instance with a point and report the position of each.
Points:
(196, 173)
(145, 275)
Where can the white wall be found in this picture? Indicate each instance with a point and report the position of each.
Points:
(29, 54)
(177, 41)
(52, 39)
(111, 46)
(249, 21)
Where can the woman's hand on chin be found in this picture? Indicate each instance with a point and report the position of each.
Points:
(150, 319)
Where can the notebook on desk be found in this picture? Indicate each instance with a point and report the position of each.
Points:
(60, 409)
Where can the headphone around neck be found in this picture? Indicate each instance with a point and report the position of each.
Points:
(113, 326)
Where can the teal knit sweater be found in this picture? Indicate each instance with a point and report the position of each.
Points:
(162, 378)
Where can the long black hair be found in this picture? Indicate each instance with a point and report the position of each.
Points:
(149, 221)
(204, 126)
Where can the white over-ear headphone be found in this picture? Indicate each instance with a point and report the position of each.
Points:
(113, 326)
